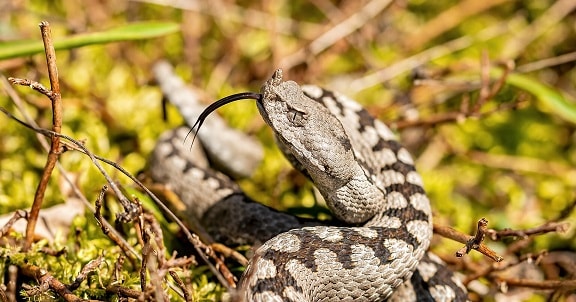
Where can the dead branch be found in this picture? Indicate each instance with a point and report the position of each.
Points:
(91, 266)
(106, 229)
(557, 11)
(44, 277)
(3, 295)
(131, 210)
(117, 268)
(558, 227)
(539, 284)
(55, 97)
(179, 262)
(548, 62)
(187, 294)
(19, 104)
(204, 251)
(32, 84)
(450, 117)
(448, 232)
(474, 242)
(154, 260)
(125, 292)
(487, 92)
(229, 253)
(12, 278)
(487, 270)
(146, 252)
(36, 290)
(156, 276)
(19, 214)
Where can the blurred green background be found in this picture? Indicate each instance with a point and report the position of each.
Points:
(417, 65)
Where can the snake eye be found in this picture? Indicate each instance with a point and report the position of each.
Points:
(296, 117)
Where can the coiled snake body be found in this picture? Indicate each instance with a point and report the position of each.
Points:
(369, 183)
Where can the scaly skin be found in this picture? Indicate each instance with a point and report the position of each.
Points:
(369, 183)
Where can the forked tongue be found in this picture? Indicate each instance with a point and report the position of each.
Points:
(219, 103)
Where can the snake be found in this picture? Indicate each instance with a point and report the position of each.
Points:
(375, 248)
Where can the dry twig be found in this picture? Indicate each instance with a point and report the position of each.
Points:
(55, 97)
(557, 227)
(3, 295)
(539, 284)
(122, 291)
(453, 234)
(65, 174)
(106, 229)
(117, 269)
(91, 266)
(187, 294)
(548, 62)
(204, 251)
(12, 278)
(44, 277)
(229, 253)
(19, 214)
(487, 92)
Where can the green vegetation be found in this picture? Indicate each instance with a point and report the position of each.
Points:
(488, 142)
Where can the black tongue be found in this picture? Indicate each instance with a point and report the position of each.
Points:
(219, 103)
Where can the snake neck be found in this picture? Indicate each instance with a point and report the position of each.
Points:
(389, 168)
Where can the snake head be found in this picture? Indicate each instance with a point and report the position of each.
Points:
(307, 131)
(315, 142)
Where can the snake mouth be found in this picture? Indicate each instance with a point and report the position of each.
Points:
(219, 103)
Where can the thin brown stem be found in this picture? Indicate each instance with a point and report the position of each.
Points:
(53, 154)
(41, 138)
(474, 242)
(451, 117)
(123, 291)
(32, 84)
(204, 251)
(539, 284)
(19, 214)
(106, 228)
(187, 294)
(558, 227)
(229, 253)
(448, 232)
(44, 277)
(3, 295)
(486, 271)
(91, 266)
(12, 278)
(146, 251)
(116, 272)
